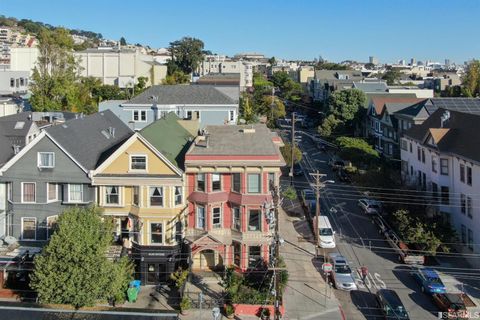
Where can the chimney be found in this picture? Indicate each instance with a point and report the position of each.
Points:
(444, 119)
(131, 124)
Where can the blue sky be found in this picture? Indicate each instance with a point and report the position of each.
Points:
(294, 29)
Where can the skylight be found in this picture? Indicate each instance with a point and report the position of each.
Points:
(19, 125)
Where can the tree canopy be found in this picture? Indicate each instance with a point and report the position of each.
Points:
(344, 110)
(187, 53)
(73, 268)
(358, 151)
(471, 80)
(392, 76)
(123, 42)
(287, 154)
(177, 77)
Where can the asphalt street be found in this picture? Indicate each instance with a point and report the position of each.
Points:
(359, 241)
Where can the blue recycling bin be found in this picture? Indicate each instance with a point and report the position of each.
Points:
(135, 284)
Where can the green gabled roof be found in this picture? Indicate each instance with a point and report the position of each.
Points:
(169, 137)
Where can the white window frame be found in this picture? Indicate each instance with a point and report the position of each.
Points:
(68, 193)
(219, 180)
(139, 114)
(151, 233)
(139, 195)
(22, 225)
(220, 224)
(259, 184)
(48, 229)
(163, 197)
(105, 194)
(204, 217)
(174, 190)
(10, 191)
(39, 160)
(48, 192)
(239, 218)
(130, 169)
(442, 172)
(35, 195)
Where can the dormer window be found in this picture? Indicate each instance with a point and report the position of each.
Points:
(46, 159)
(138, 162)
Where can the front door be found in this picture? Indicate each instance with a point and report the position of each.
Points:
(151, 273)
(157, 273)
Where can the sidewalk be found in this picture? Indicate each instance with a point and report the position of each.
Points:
(307, 296)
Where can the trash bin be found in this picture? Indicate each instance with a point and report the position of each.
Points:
(135, 284)
(132, 294)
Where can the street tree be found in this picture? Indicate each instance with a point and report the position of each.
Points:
(392, 76)
(471, 79)
(54, 76)
(273, 108)
(177, 77)
(73, 268)
(247, 111)
(287, 154)
(187, 53)
(358, 151)
(328, 126)
(123, 42)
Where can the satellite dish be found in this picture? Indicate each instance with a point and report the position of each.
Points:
(10, 240)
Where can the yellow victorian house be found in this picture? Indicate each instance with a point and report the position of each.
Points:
(141, 185)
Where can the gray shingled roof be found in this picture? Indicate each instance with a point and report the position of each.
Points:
(182, 94)
(88, 140)
(468, 105)
(230, 140)
(370, 86)
(458, 140)
(6, 148)
(8, 123)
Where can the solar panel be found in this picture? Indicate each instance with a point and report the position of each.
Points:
(465, 105)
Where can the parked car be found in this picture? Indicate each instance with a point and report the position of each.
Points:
(453, 304)
(369, 206)
(297, 170)
(407, 254)
(325, 232)
(391, 305)
(308, 196)
(429, 280)
(342, 276)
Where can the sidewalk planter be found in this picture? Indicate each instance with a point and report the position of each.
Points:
(255, 309)
(229, 311)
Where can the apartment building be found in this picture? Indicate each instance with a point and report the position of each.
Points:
(230, 171)
(221, 64)
(441, 156)
(120, 67)
(207, 104)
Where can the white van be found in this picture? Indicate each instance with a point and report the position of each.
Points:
(326, 233)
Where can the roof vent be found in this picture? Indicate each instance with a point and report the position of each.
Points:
(111, 131)
(248, 130)
(445, 117)
(16, 148)
(105, 134)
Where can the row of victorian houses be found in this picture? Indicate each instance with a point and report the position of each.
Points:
(178, 192)
(436, 142)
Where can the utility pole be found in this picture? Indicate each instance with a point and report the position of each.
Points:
(318, 185)
(276, 270)
(293, 148)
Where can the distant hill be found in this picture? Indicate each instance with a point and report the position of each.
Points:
(34, 27)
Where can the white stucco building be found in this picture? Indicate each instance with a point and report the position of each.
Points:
(442, 157)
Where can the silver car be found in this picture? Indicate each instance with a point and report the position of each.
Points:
(341, 274)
